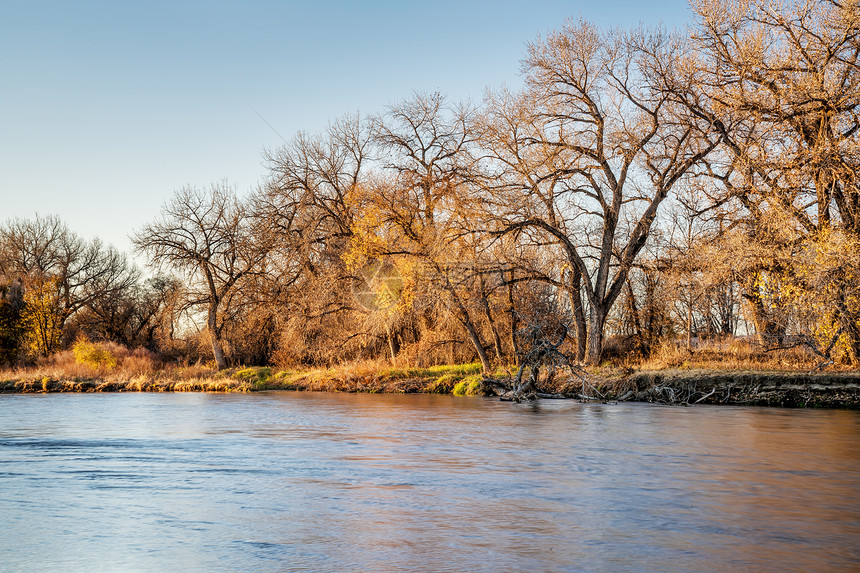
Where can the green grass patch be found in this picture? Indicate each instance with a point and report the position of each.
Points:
(468, 386)
(442, 385)
(461, 379)
(457, 371)
(255, 375)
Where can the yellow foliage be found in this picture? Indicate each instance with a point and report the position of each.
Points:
(42, 317)
(822, 282)
(93, 354)
(365, 243)
(391, 279)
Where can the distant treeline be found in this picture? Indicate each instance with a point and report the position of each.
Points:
(643, 188)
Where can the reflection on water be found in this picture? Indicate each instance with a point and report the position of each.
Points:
(338, 482)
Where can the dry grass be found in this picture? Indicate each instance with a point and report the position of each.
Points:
(737, 354)
(113, 383)
(141, 371)
(122, 362)
(123, 371)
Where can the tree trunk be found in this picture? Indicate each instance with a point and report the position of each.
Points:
(512, 310)
(690, 319)
(215, 336)
(596, 321)
(392, 344)
(476, 342)
(769, 331)
(466, 321)
(497, 341)
(575, 297)
(853, 334)
(634, 312)
(848, 321)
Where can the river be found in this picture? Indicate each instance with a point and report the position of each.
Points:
(343, 482)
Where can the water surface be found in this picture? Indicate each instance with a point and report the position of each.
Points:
(343, 482)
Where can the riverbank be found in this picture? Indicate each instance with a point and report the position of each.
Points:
(753, 388)
(460, 379)
(671, 386)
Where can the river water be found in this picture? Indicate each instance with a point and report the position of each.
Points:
(344, 482)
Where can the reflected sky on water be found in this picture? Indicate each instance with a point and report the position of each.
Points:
(344, 482)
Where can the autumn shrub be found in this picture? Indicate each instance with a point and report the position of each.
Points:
(292, 349)
(87, 359)
(94, 355)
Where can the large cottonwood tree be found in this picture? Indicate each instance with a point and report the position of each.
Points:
(587, 154)
(428, 198)
(313, 199)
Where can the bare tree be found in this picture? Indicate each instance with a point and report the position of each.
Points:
(214, 239)
(137, 316)
(314, 199)
(315, 187)
(781, 84)
(589, 152)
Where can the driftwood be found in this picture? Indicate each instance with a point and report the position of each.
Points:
(786, 389)
(551, 396)
(542, 354)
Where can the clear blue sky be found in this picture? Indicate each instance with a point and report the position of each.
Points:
(107, 107)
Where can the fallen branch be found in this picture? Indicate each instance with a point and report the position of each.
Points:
(626, 396)
(551, 396)
(708, 395)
